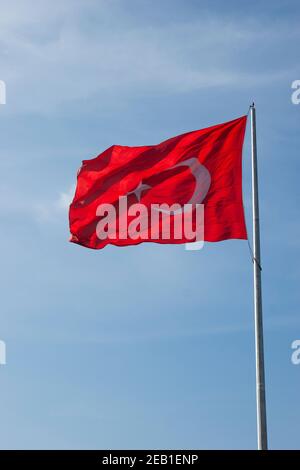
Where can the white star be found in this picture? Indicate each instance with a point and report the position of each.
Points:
(139, 189)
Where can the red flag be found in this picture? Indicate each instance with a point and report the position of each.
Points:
(115, 189)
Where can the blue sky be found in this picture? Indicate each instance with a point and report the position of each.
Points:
(149, 346)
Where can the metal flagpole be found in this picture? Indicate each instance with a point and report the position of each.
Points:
(259, 342)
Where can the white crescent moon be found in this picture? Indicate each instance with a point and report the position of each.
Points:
(202, 178)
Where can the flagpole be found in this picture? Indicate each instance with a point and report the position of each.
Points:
(259, 342)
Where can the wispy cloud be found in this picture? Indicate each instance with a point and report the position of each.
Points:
(14, 203)
(61, 60)
(65, 198)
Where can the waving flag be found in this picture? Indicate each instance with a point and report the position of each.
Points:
(172, 179)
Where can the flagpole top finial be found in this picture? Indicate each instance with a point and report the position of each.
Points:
(252, 105)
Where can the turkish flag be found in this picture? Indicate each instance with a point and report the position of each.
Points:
(117, 191)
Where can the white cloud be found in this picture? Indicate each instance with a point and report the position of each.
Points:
(53, 210)
(41, 210)
(65, 198)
